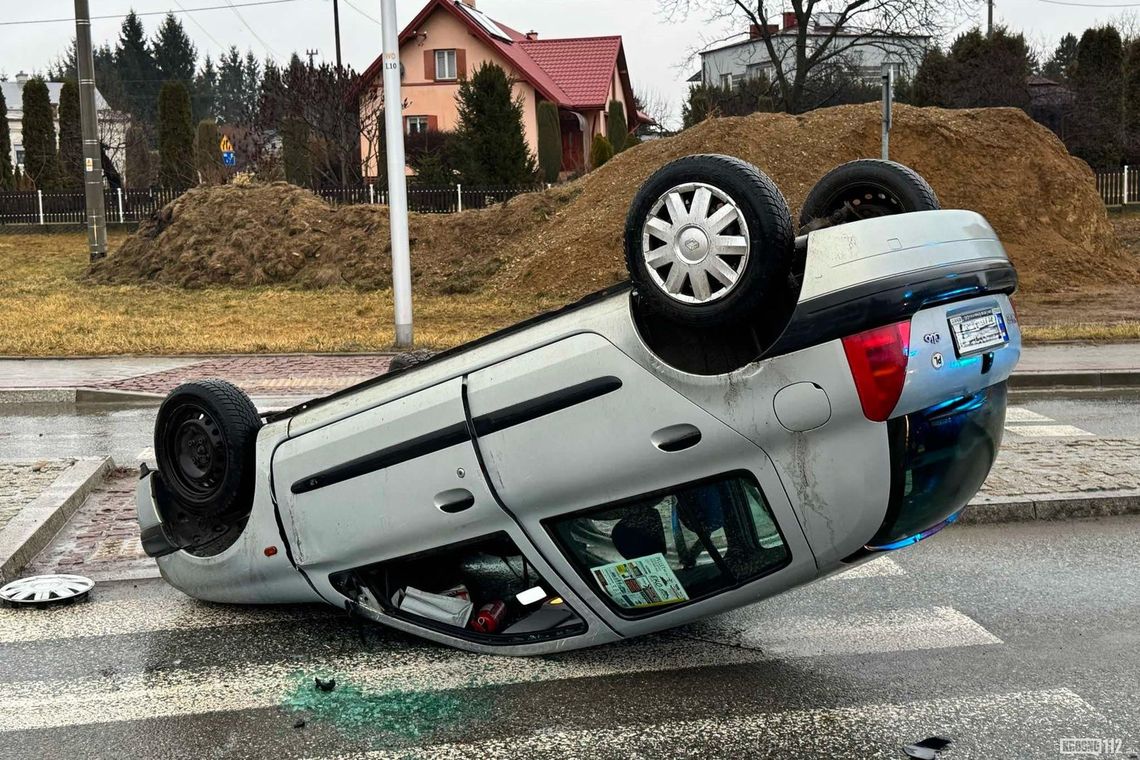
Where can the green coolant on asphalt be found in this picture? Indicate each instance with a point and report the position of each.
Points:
(407, 714)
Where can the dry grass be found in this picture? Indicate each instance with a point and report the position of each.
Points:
(46, 310)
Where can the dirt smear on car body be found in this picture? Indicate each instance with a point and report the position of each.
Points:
(566, 242)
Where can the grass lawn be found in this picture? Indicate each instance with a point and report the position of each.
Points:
(46, 310)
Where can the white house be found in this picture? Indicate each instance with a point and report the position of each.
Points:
(112, 124)
(864, 53)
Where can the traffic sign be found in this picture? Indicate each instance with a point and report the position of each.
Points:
(228, 158)
(225, 145)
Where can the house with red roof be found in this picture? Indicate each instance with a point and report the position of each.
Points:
(449, 39)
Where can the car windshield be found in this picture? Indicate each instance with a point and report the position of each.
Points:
(669, 548)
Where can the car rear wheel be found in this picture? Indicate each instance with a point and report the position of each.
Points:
(709, 241)
(204, 443)
(865, 189)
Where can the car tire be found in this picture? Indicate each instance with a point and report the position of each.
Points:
(205, 439)
(409, 359)
(710, 272)
(865, 189)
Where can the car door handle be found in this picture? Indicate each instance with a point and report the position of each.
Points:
(676, 437)
(454, 500)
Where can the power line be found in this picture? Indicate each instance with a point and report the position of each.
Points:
(248, 4)
(1090, 5)
(252, 31)
(205, 31)
(371, 18)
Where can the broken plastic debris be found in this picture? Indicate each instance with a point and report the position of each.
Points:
(325, 684)
(928, 748)
(920, 753)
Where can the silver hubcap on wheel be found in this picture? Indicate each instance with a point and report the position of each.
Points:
(44, 589)
(695, 243)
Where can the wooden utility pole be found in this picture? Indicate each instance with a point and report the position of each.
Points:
(89, 127)
(989, 19)
(336, 30)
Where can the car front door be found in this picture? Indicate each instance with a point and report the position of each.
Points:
(600, 462)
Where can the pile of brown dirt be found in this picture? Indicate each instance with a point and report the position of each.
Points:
(567, 242)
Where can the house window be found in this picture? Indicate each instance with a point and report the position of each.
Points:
(445, 64)
(726, 81)
(19, 156)
(415, 125)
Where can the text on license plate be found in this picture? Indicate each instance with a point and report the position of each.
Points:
(978, 330)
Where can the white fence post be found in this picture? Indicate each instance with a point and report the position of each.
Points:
(459, 195)
(372, 194)
(119, 190)
(40, 201)
(1124, 191)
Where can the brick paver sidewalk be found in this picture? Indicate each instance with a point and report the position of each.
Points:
(301, 375)
(1033, 469)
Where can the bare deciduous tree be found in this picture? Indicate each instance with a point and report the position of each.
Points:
(809, 57)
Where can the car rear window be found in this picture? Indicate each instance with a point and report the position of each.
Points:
(658, 551)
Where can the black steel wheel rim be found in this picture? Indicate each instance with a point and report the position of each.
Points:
(196, 448)
(866, 201)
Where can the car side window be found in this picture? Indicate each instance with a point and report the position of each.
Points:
(654, 552)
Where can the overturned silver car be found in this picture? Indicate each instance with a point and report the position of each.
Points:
(751, 412)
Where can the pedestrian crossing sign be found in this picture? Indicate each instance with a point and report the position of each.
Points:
(226, 145)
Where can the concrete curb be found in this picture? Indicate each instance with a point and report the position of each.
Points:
(1082, 379)
(989, 510)
(77, 396)
(29, 532)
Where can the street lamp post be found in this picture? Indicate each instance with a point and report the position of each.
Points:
(888, 71)
(397, 182)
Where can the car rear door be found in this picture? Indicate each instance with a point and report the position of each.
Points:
(577, 425)
(396, 479)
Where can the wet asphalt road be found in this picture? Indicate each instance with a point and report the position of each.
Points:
(46, 431)
(1006, 639)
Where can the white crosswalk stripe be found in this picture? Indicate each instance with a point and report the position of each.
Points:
(874, 731)
(168, 612)
(178, 692)
(1021, 414)
(1029, 424)
(881, 567)
(1047, 431)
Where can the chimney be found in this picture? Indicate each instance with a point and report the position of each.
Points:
(22, 77)
(754, 32)
(532, 35)
(790, 20)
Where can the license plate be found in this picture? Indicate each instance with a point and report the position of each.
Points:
(978, 330)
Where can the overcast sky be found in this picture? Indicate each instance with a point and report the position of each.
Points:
(656, 49)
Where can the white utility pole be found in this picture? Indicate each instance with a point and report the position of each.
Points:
(397, 182)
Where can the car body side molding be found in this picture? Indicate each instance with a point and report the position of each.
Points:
(452, 435)
(549, 403)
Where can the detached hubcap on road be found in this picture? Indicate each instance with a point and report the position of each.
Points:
(46, 589)
(695, 243)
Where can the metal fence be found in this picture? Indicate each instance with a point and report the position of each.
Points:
(1119, 187)
(36, 207)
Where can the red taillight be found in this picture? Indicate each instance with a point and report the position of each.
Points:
(878, 363)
